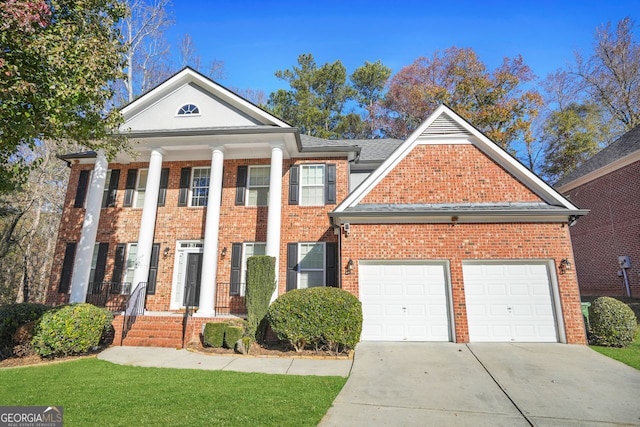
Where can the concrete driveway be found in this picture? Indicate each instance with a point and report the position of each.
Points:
(443, 384)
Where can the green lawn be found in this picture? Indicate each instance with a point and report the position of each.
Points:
(95, 392)
(629, 355)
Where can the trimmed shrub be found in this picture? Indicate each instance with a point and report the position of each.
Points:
(13, 316)
(261, 283)
(71, 329)
(231, 336)
(613, 323)
(213, 334)
(321, 317)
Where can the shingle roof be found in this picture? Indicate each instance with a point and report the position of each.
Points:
(621, 147)
(373, 150)
(313, 142)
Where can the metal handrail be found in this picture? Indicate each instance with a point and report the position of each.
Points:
(187, 314)
(133, 308)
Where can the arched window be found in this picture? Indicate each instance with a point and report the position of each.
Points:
(188, 109)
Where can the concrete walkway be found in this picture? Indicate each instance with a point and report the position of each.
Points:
(438, 384)
(183, 359)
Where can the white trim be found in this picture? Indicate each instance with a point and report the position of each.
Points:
(136, 190)
(323, 185)
(190, 194)
(484, 144)
(196, 248)
(188, 75)
(188, 114)
(600, 172)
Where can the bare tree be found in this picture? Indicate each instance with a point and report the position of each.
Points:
(148, 52)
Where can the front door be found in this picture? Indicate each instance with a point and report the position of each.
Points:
(192, 282)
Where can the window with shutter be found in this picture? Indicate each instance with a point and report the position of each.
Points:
(111, 189)
(153, 269)
(81, 190)
(67, 268)
(130, 187)
(164, 183)
(183, 195)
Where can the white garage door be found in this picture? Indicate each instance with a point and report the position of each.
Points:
(509, 302)
(404, 302)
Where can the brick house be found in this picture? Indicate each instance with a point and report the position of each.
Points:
(608, 239)
(443, 236)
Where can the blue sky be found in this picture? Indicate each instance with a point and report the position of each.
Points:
(256, 38)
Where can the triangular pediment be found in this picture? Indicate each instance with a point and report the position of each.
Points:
(217, 107)
(432, 156)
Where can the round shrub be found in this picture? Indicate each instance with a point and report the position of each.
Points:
(613, 323)
(319, 317)
(232, 335)
(13, 316)
(71, 329)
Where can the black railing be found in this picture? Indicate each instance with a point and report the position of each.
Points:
(225, 303)
(133, 308)
(110, 295)
(187, 312)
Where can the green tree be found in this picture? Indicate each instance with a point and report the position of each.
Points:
(369, 82)
(58, 58)
(495, 102)
(570, 136)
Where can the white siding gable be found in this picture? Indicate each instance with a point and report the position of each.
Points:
(214, 112)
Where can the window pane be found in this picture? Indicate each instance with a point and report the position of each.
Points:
(94, 262)
(200, 186)
(259, 175)
(312, 255)
(313, 175)
(312, 196)
(141, 187)
(311, 279)
(258, 196)
(131, 264)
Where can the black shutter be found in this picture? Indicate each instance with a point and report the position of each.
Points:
(185, 176)
(130, 187)
(294, 185)
(236, 268)
(164, 183)
(81, 190)
(118, 268)
(330, 184)
(67, 268)
(292, 266)
(153, 269)
(101, 264)
(241, 185)
(331, 256)
(110, 197)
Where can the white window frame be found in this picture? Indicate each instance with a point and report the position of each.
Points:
(130, 267)
(324, 263)
(105, 192)
(250, 187)
(138, 190)
(243, 271)
(192, 187)
(303, 186)
(94, 262)
(188, 114)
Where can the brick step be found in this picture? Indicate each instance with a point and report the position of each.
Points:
(154, 334)
(152, 342)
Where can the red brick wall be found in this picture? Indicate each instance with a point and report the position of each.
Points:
(237, 224)
(611, 229)
(468, 242)
(448, 174)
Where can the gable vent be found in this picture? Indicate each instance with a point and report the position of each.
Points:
(445, 125)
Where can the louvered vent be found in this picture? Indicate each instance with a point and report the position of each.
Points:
(445, 125)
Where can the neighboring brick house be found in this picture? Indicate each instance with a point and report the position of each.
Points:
(443, 237)
(608, 185)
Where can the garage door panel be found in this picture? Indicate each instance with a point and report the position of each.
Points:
(509, 302)
(410, 300)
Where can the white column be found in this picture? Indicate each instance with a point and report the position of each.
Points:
(212, 226)
(84, 249)
(274, 215)
(148, 221)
